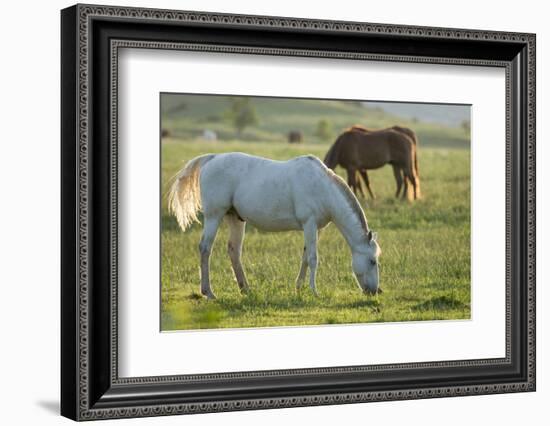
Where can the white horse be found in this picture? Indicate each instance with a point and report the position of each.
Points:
(298, 194)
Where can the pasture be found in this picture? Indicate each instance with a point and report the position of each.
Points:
(424, 266)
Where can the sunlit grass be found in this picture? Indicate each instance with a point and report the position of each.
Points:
(425, 264)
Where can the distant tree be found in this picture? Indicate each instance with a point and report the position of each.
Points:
(242, 114)
(324, 130)
(465, 124)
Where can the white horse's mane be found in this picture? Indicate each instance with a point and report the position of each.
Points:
(345, 191)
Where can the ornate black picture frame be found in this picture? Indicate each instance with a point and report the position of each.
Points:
(91, 36)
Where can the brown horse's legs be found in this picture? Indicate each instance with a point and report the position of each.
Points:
(352, 180)
(405, 186)
(350, 173)
(409, 176)
(365, 176)
(358, 184)
(398, 179)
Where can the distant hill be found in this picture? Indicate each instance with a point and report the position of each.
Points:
(445, 114)
(187, 116)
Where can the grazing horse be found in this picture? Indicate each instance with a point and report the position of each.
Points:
(298, 194)
(406, 131)
(358, 149)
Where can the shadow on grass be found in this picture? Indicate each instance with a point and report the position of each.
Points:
(195, 296)
(198, 313)
(371, 302)
(440, 303)
(291, 301)
(254, 301)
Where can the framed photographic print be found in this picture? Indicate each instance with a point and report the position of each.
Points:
(263, 212)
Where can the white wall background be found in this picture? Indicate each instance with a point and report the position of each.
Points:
(29, 212)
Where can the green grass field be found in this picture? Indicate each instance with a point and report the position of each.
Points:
(425, 261)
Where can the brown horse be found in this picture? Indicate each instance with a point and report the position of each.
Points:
(359, 149)
(363, 173)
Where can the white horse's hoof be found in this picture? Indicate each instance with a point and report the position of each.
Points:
(209, 295)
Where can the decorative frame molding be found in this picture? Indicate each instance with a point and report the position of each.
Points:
(91, 37)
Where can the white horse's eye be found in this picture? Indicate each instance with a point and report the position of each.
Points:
(373, 262)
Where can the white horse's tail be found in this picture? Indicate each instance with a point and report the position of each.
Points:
(184, 199)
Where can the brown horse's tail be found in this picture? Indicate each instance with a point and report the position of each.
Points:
(417, 176)
(333, 155)
(416, 163)
(411, 134)
(415, 140)
(411, 168)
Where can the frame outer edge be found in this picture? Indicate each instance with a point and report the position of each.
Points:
(80, 207)
(531, 213)
(83, 61)
(69, 261)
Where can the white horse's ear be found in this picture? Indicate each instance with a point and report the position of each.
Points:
(374, 236)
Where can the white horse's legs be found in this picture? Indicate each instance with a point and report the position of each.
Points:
(303, 269)
(310, 236)
(234, 248)
(211, 225)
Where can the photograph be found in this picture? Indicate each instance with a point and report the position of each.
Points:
(279, 212)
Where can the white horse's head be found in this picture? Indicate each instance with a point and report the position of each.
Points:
(365, 264)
